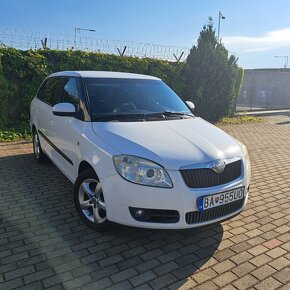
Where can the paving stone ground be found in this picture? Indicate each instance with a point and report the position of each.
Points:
(44, 245)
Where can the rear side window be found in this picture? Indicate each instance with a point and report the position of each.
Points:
(49, 91)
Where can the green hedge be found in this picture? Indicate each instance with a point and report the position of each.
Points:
(21, 73)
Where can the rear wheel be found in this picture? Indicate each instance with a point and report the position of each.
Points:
(39, 156)
(89, 200)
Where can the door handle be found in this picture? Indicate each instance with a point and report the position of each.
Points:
(51, 121)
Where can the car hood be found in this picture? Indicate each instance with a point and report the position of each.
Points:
(170, 143)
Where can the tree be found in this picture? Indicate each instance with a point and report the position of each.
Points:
(212, 77)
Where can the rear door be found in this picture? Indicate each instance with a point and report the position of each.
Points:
(47, 97)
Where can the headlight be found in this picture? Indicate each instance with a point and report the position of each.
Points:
(141, 171)
(244, 148)
(247, 161)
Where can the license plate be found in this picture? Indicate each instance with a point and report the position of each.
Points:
(219, 199)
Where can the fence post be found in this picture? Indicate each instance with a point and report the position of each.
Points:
(44, 43)
(178, 58)
(123, 52)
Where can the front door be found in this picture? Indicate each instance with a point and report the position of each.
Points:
(66, 130)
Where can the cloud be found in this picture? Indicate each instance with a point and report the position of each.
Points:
(268, 41)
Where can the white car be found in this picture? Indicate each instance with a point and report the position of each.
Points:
(135, 152)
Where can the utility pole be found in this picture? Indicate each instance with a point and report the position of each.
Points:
(219, 26)
(285, 58)
(78, 30)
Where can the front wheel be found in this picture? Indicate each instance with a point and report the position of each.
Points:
(89, 200)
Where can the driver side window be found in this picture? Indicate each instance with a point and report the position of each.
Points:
(69, 92)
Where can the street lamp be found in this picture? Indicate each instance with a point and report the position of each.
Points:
(219, 27)
(286, 59)
(78, 30)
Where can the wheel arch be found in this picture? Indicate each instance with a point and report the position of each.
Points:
(33, 128)
(85, 165)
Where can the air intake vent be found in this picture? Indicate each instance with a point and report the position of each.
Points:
(196, 217)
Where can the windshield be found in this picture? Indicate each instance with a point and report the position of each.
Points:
(132, 98)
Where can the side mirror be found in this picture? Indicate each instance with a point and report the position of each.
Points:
(190, 105)
(64, 109)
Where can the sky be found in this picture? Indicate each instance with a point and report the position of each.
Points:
(256, 31)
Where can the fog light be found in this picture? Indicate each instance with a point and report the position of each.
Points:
(139, 213)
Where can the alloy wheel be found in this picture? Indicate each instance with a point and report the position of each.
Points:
(91, 200)
(36, 146)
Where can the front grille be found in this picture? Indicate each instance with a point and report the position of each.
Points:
(196, 217)
(206, 177)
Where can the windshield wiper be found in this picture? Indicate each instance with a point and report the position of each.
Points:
(118, 117)
(130, 117)
(168, 114)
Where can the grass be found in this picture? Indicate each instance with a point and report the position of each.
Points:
(240, 120)
(13, 133)
(12, 136)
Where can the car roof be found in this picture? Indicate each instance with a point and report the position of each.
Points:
(103, 74)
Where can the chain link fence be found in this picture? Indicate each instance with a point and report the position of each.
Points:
(32, 40)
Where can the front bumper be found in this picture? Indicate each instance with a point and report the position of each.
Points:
(120, 194)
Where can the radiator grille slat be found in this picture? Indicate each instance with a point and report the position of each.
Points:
(206, 177)
(196, 217)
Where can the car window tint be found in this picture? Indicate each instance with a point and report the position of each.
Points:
(49, 92)
(69, 92)
(110, 96)
(41, 91)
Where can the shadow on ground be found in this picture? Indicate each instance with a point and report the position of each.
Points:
(44, 242)
(283, 123)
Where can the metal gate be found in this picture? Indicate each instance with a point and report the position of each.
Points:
(265, 89)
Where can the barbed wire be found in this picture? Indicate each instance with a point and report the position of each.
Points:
(36, 40)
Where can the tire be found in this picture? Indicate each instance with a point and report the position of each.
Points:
(39, 155)
(89, 200)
